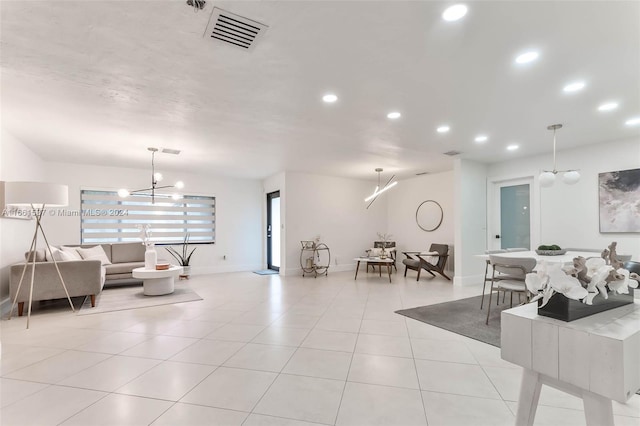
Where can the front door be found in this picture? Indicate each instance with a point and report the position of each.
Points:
(273, 230)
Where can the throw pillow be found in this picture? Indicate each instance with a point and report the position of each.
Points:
(39, 253)
(375, 252)
(71, 251)
(52, 255)
(95, 253)
(62, 256)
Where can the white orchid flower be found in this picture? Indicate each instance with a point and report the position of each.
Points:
(634, 280)
(621, 286)
(536, 282)
(593, 264)
(566, 284)
(599, 277)
(589, 299)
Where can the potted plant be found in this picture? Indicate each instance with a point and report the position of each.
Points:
(183, 258)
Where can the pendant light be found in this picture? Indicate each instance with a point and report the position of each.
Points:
(155, 178)
(379, 191)
(548, 177)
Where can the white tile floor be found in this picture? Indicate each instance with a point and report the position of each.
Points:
(267, 350)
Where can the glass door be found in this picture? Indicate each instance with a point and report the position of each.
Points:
(273, 230)
(512, 215)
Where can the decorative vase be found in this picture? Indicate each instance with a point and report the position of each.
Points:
(150, 257)
(186, 271)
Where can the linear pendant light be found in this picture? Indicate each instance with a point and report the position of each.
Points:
(379, 191)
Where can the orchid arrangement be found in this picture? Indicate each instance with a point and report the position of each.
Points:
(583, 280)
(145, 234)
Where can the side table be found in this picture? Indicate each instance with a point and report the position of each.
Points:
(157, 283)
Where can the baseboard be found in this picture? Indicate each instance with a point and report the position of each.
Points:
(468, 280)
(203, 270)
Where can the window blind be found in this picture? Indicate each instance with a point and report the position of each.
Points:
(108, 218)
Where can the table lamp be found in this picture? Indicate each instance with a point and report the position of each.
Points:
(36, 196)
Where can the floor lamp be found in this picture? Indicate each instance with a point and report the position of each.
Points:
(36, 196)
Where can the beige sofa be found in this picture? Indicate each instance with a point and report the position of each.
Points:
(82, 277)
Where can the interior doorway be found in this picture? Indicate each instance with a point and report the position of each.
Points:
(512, 214)
(273, 230)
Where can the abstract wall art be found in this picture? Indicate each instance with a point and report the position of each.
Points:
(619, 201)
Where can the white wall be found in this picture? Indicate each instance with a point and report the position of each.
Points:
(471, 220)
(17, 163)
(272, 184)
(238, 211)
(333, 208)
(569, 214)
(402, 202)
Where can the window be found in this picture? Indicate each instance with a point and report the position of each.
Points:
(107, 218)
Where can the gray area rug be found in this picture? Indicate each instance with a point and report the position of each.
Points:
(120, 298)
(463, 317)
(266, 272)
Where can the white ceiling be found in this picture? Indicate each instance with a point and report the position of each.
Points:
(99, 81)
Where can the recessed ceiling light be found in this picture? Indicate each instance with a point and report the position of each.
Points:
(574, 87)
(330, 98)
(481, 138)
(455, 12)
(393, 115)
(527, 57)
(443, 129)
(512, 147)
(609, 106)
(633, 121)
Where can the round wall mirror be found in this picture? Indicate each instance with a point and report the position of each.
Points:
(429, 215)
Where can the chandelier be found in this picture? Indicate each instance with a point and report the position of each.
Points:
(155, 178)
(548, 177)
(378, 190)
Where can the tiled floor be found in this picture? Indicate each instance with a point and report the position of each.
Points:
(267, 350)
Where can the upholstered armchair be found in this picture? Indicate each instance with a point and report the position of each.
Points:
(435, 260)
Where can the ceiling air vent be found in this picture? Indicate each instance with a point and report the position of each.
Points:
(452, 153)
(233, 29)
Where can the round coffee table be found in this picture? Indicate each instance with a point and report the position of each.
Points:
(157, 283)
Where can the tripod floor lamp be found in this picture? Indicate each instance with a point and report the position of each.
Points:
(36, 196)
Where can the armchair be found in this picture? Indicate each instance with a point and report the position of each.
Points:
(434, 261)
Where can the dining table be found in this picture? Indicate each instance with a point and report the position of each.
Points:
(562, 258)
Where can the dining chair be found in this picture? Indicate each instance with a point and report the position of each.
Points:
(508, 275)
(487, 277)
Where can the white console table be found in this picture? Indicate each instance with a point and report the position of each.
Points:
(596, 358)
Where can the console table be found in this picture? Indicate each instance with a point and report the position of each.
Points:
(596, 358)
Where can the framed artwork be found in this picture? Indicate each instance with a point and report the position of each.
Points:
(619, 201)
(8, 212)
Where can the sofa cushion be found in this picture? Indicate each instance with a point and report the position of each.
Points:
(96, 252)
(122, 268)
(127, 252)
(40, 255)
